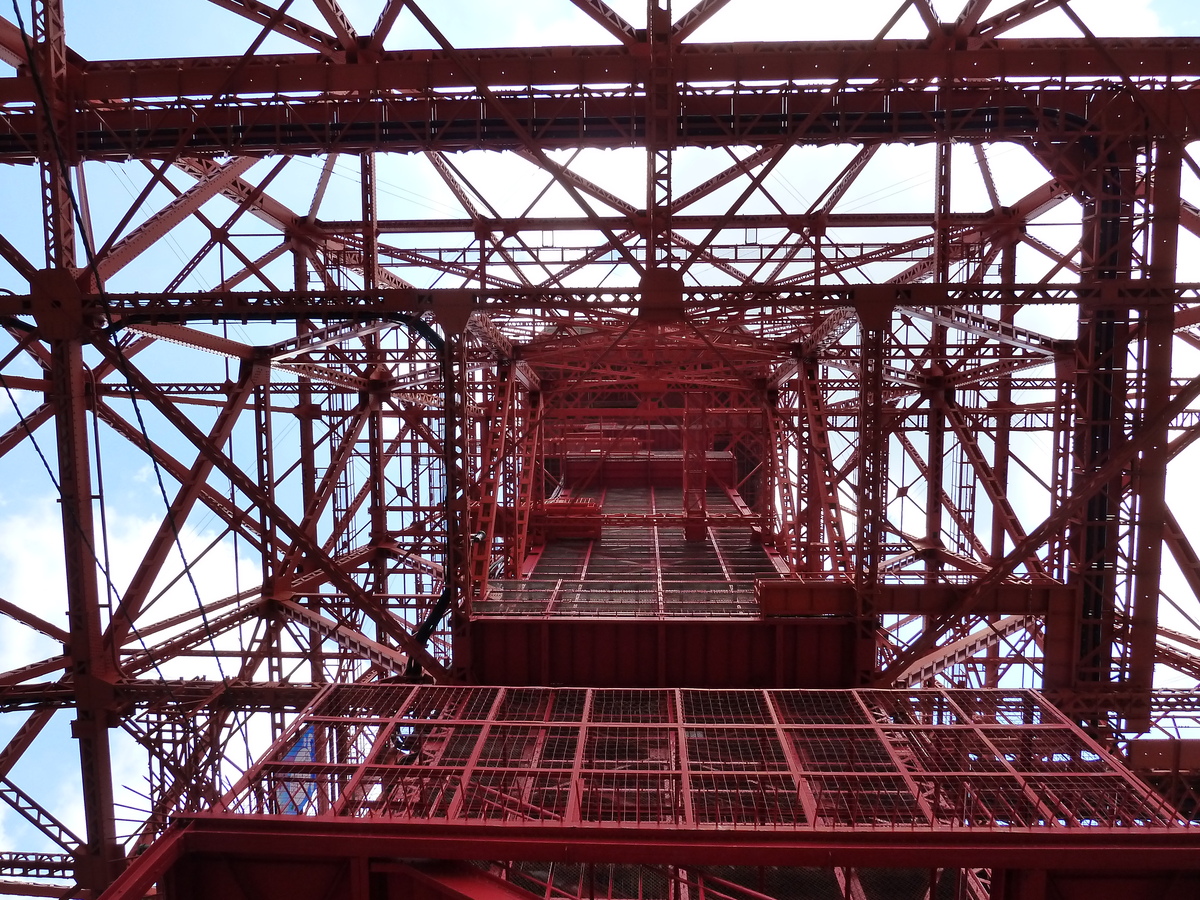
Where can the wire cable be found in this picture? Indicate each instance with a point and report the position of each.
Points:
(112, 589)
(102, 295)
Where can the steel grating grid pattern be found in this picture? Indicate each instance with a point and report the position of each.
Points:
(569, 881)
(639, 572)
(742, 759)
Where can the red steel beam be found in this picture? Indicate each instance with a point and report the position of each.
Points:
(157, 226)
(333, 13)
(385, 303)
(288, 26)
(960, 651)
(93, 669)
(169, 531)
(612, 21)
(694, 18)
(889, 62)
(399, 115)
(1082, 491)
(37, 623)
(248, 486)
(1150, 471)
(1099, 850)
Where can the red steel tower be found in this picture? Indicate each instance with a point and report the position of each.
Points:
(692, 456)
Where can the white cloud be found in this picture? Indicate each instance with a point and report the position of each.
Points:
(31, 576)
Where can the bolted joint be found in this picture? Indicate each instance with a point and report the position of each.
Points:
(58, 306)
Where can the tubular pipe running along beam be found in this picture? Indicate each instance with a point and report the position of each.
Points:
(404, 304)
(424, 100)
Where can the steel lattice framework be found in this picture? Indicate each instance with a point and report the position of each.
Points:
(622, 410)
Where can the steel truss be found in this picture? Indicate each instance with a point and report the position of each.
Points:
(678, 430)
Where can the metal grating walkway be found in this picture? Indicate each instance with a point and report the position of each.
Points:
(820, 761)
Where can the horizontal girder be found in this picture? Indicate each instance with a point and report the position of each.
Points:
(622, 303)
(727, 94)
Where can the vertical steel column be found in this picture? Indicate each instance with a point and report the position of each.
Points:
(370, 211)
(939, 398)
(1001, 452)
(938, 395)
(661, 104)
(1099, 423)
(695, 465)
(1150, 469)
(93, 671)
(528, 485)
(307, 413)
(51, 59)
(1003, 432)
(377, 459)
(61, 321)
(809, 487)
(454, 457)
(941, 211)
(1059, 546)
(1101, 406)
(823, 478)
(275, 579)
(377, 374)
(485, 506)
(874, 320)
(783, 491)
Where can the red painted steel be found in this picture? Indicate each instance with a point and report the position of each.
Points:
(685, 759)
(724, 424)
(688, 778)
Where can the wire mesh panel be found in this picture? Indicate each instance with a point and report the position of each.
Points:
(450, 703)
(638, 748)
(1098, 800)
(618, 594)
(373, 701)
(1001, 707)
(1045, 750)
(943, 750)
(850, 801)
(981, 802)
(647, 706)
(731, 799)
(911, 708)
(549, 747)
(631, 797)
(433, 744)
(516, 796)
(818, 707)
(403, 793)
(770, 759)
(730, 707)
(824, 749)
(733, 750)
